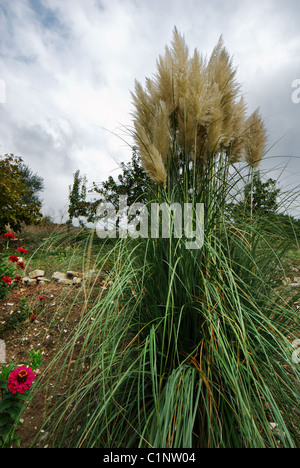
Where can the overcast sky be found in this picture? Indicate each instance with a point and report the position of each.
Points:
(67, 68)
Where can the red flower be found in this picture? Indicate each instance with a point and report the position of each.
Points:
(6, 280)
(9, 235)
(42, 298)
(18, 278)
(13, 258)
(21, 265)
(33, 317)
(20, 379)
(21, 249)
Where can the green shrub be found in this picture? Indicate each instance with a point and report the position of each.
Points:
(188, 348)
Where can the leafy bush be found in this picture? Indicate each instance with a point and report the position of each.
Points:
(18, 186)
(6, 271)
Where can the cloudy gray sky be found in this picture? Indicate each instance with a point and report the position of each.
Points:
(67, 68)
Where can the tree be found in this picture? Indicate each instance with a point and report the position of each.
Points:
(19, 202)
(77, 197)
(33, 182)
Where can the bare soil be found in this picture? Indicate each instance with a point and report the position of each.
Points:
(51, 329)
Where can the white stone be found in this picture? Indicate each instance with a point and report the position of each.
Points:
(72, 274)
(76, 280)
(90, 274)
(286, 281)
(43, 280)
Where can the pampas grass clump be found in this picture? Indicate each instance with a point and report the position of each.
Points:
(189, 348)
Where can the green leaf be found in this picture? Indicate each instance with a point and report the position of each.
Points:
(17, 440)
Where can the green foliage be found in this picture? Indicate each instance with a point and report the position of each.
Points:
(36, 359)
(18, 187)
(188, 348)
(259, 197)
(132, 182)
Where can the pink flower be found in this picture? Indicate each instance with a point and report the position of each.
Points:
(20, 379)
(13, 258)
(21, 249)
(6, 280)
(9, 235)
